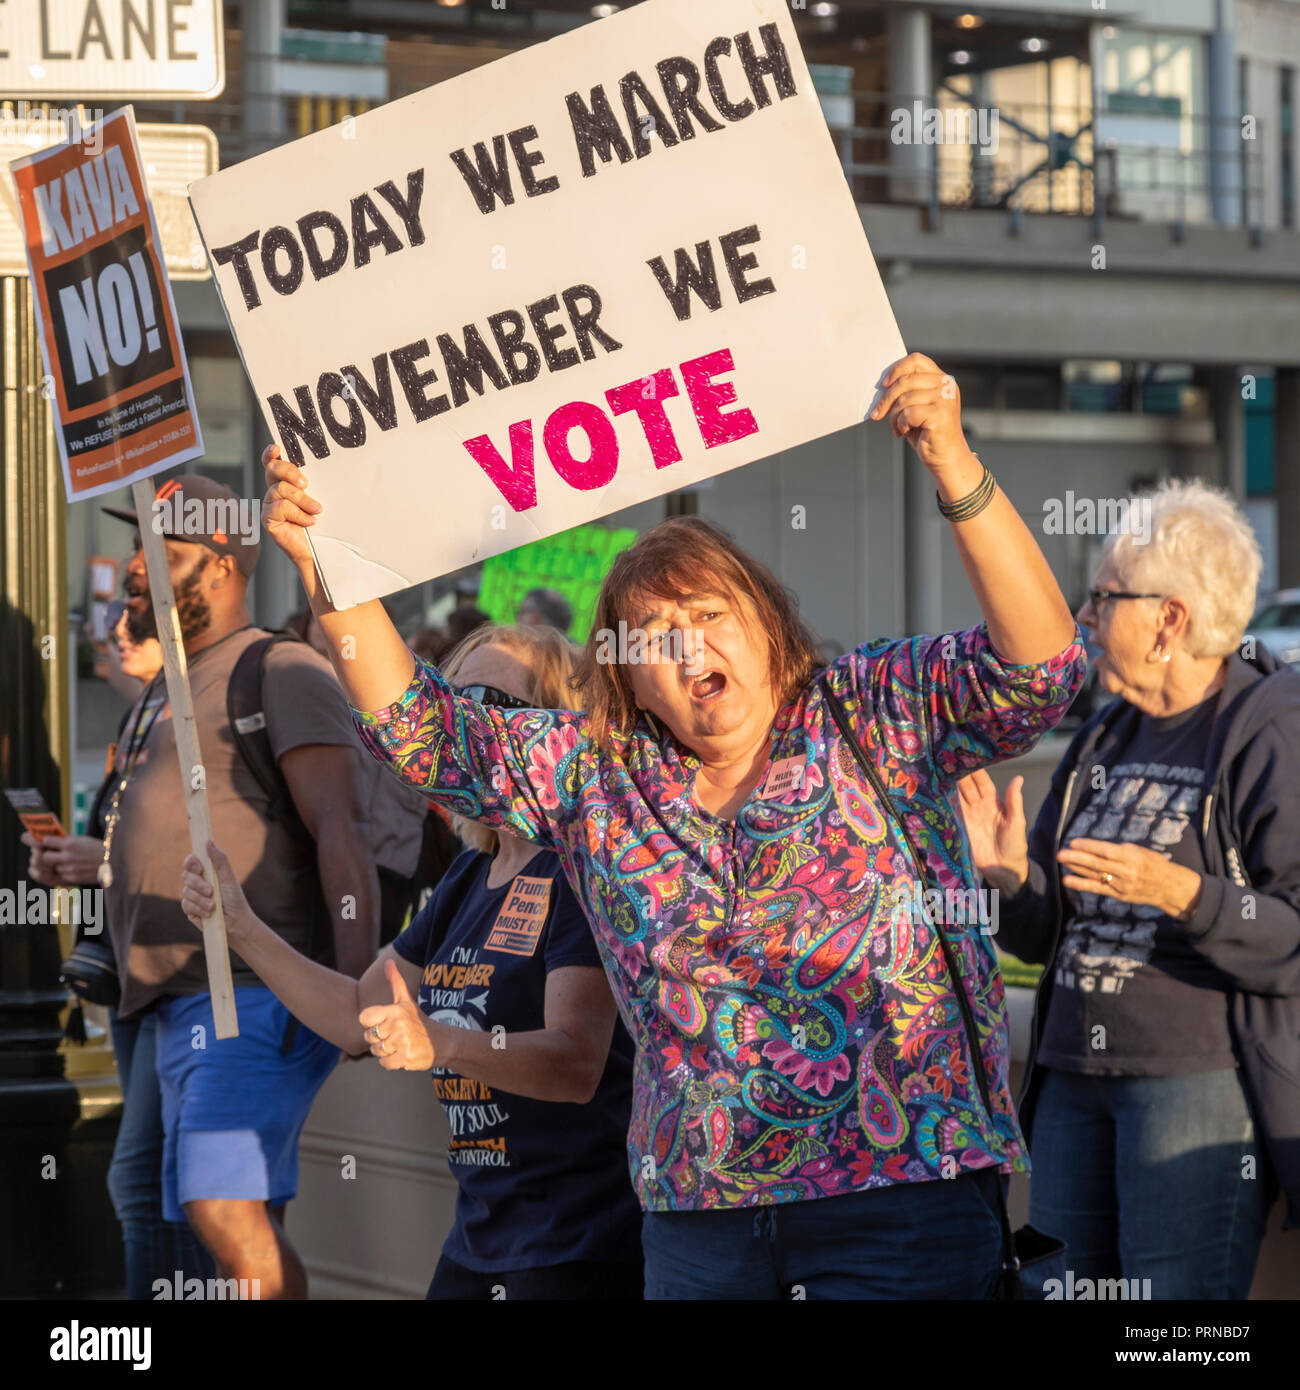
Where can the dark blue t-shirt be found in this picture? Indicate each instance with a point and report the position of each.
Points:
(540, 1182)
(1133, 996)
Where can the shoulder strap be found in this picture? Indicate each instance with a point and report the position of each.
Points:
(95, 816)
(873, 776)
(1010, 1262)
(247, 715)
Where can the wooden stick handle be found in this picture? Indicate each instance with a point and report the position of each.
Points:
(215, 949)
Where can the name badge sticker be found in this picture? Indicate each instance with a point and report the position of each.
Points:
(784, 776)
(518, 926)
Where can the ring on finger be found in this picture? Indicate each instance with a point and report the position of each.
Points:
(1108, 878)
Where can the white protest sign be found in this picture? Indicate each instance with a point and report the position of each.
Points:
(595, 271)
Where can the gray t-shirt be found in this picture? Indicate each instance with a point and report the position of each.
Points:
(397, 815)
(1130, 996)
(158, 949)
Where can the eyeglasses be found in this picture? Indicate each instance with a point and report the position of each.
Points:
(1101, 595)
(490, 695)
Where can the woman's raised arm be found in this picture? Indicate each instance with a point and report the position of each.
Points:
(1028, 619)
(374, 664)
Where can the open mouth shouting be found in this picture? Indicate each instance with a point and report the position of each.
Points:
(707, 686)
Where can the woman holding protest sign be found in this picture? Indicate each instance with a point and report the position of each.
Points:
(749, 837)
(496, 988)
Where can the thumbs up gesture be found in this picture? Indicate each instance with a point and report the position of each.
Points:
(396, 1031)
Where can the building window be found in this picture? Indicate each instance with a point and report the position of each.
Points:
(1156, 119)
(1094, 387)
(1168, 388)
(1100, 387)
(1031, 388)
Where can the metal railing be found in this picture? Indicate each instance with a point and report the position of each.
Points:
(1025, 158)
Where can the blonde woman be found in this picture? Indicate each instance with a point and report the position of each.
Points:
(1160, 888)
(496, 987)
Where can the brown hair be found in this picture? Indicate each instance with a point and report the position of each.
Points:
(681, 558)
(549, 657)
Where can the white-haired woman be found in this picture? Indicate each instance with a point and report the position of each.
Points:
(1160, 887)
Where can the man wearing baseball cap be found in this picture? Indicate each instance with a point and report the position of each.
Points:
(232, 1111)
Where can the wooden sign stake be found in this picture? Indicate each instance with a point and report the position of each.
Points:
(176, 672)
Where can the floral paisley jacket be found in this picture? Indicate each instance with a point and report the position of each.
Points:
(796, 1027)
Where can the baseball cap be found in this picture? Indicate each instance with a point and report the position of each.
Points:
(188, 515)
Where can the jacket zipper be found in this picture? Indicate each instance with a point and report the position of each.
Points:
(1061, 822)
(1065, 805)
(737, 885)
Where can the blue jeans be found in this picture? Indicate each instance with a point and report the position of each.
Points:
(935, 1239)
(155, 1249)
(1152, 1177)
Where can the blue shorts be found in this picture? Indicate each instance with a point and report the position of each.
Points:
(233, 1109)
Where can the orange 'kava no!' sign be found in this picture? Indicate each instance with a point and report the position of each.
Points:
(117, 374)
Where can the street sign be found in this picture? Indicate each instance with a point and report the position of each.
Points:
(88, 49)
(174, 156)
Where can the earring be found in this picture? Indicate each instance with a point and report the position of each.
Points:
(1159, 653)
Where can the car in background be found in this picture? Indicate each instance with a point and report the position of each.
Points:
(1276, 625)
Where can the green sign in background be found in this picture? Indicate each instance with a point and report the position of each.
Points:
(575, 562)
